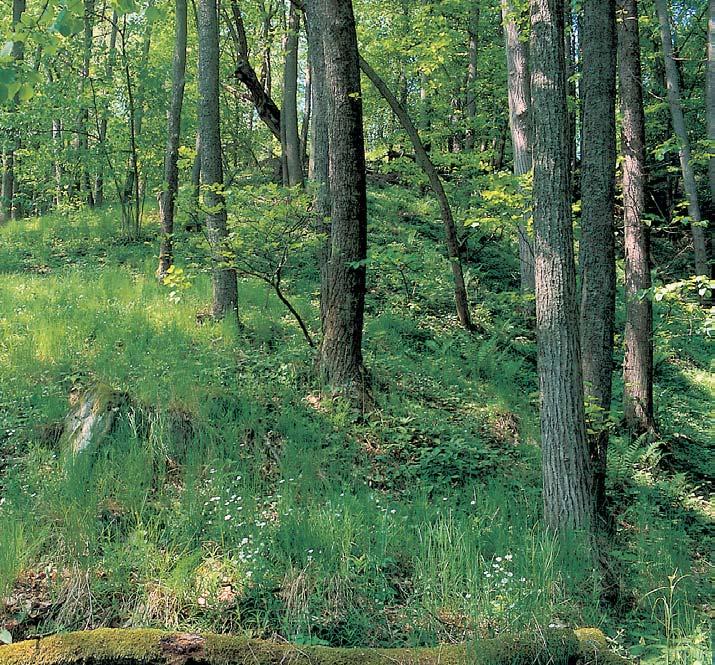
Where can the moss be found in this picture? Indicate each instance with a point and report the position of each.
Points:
(153, 647)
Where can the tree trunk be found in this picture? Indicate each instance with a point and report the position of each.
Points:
(225, 288)
(289, 114)
(8, 205)
(460, 290)
(85, 187)
(568, 502)
(196, 179)
(711, 100)
(319, 152)
(638, 336)
(598, 247)
(259, 89)
(341, 359)
(702, 263)
(173, 131)
(102, 139)
(517, 64)
(470, 106)
(131, 193)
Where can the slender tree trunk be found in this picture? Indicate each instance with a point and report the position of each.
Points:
(173, 132)
(471, 97)
(568, 501)
(711, 100)
(85, 187)
(307, 111)
(598, 248)
(341, 360)
(196, 176)
(225, 288)
(289, 114)
(136, 111)
(638, 336)
(702, 262)
(517, 64)
(8, 204)
(111, 61)
(57, 164)
(460, 290)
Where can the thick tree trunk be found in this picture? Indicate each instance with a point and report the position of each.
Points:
(341, 360)
(470, 106)
(225, 288)
(111, 61)
(638, 336)
(319, 153)
(8, 205)
(289, 114)
(519, 85)
(598, 247)
(702, 263)
(173, 131)
(568, 500)
(460, 290)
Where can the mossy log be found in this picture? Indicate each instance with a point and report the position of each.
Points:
(107, 646)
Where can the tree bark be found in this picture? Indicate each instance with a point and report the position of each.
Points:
(85, 186)
(598, 247)
(450, 230)
(341, 360)
(638, 335)
(289, 114)
(702, 262)
(318, 166)
(111, 61)
(8, 205)
(470, 106)
(258, 89)
(173, 132)
(519, 85)
(711, 99)
(225, 288)
(568, 501)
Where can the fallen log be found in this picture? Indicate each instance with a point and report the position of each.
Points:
(106, 646)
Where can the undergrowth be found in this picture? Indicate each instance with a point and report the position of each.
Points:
(233, 496)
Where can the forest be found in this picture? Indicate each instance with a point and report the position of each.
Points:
(357, 332)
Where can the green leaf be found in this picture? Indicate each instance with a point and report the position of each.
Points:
(26, 92)
(5, 637)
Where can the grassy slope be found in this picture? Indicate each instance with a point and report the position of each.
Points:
(243, 502)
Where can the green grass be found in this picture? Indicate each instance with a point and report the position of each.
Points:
(231, 498)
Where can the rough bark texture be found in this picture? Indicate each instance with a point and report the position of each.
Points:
(173, 131)
(341, 360)
(638, 336)
(225, 296)
(450, 230)
(568, 502)
(319, 151)
(711, 99)
(702, 263)
(154, 647)
(598, 250)
(8, 207)
(470, 106)
(520, 121)
(289, 114)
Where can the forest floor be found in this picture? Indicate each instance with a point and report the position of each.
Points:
(232, 497)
